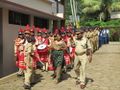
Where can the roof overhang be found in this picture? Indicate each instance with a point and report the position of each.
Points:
(17, 7)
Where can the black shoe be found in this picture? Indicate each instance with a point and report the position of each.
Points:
(20, 75)
(57, 81)
(77, 82)
(52, 75)
(27, 86)
(43, 70)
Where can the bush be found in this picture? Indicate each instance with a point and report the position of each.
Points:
(111, 23)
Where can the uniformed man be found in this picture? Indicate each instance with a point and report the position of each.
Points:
(58, 47)
(71, 50)
(18, 51)
(29, 50)
(82, 52)
(100, 38)
(32, 32)
(97, 38)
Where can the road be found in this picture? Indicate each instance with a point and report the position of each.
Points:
(102, 74)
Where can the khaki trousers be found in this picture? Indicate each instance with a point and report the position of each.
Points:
(29, 76)
(97, 42)
(91, 42)
(79, 66)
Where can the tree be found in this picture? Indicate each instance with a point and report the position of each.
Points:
(115, 5)
(105, 10)
(94, 9)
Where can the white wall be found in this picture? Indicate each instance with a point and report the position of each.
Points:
(115, 15)
(1, 46)
(61, 10)
(39, 5)
(9, 34)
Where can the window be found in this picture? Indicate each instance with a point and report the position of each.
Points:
(60, 1)
(41, 22)
(18, 18)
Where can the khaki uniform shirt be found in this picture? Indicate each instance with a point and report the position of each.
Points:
(82, 45)
(28, 51)
(88, 35)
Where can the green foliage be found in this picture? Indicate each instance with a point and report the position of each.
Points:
(111, 23)
(90, 6)
(115, 34)
(96, 10)
(115, 6)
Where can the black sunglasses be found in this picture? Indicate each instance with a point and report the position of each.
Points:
(27, 34)
(78, 34)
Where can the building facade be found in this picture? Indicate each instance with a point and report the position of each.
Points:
(19, 13)
(115, 15)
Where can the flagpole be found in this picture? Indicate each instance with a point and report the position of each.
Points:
(73, 18)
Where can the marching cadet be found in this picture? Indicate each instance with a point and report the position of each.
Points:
(32, 32)
(66, 52)
(29, 62)
(71, 49)
(18, 50)
(51, 40)
(83, 50)
(85, 32)
(51, 37)
(97, 38)
(63, 34)
(58, 47)
(90, 37)
(100, 37)
(94, 40)
(38, 37)
(43, 49)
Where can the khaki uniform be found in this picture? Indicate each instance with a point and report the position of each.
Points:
(97, 39)
(28, 60)
(85, 34)
(81, 58)
(94, 40)
(90, 37)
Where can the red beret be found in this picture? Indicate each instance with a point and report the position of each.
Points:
(20, 31)
(62, 30)
(38, 30)
(27, 27)
(56, 31)
(44, 30)
(32, 29)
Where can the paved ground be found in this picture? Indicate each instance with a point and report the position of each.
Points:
(102, 74)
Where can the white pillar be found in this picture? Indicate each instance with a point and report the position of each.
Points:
(50, 25)
(31, 20)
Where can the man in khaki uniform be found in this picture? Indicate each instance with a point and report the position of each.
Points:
(82, 51)
(90, 37)
(29, 49)
(96, 38)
